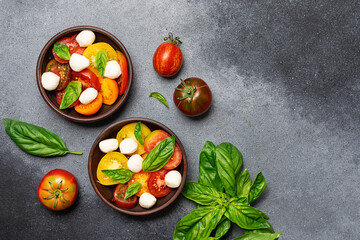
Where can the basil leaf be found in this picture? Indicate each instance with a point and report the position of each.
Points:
(62, 51)
(200, 193)
(35, 140)
(229, 162)
(199, 223)
(243, 184)
(257, 187)
(121, 175)
(138, 133)
(259, 236)
(245, 216)
(159, 97)
(207, 167)
(72, 93)
(132, 189)
(100, 61)
(222, 228)
(159, 155)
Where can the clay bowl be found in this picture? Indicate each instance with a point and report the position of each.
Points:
(50, 97)
(106, 192)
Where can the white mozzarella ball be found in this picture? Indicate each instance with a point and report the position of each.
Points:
(108, 145)
(173, 179)
(135, 163)
(128, 146)
(112, 70)
(85, 38)
(50, 81)
(88, 95)
(78, 62)
(147, 200)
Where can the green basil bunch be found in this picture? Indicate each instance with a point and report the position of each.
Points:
(224, 195)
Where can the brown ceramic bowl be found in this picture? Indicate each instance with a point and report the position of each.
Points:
(106, 192)
(50, 97)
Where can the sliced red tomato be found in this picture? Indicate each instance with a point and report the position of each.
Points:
(61, 69)
(87, 78)
(119, 195)
(73, 45)
(60, 95)
(123, 80)
(175, 159)
(156, 183)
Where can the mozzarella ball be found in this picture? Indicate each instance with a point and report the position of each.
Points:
(173, 179)
(109, 145)
(112, 70)
(78, 62)
(88, 95)
(128, 146)
(147, 200)
(50, 81)
(135, 163)
(85, 38)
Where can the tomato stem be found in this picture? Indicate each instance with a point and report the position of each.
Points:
(188, 91)
(74, 152)
(172, 40)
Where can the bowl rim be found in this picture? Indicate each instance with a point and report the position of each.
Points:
(146, 211)
(88, 119)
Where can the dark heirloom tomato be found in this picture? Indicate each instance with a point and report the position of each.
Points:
(193, 97)
(156, 183)
(73, 45)
(61, 69)
(119, 195)
(168, 57)
(87, 78)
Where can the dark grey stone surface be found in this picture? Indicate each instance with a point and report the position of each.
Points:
(285, 79)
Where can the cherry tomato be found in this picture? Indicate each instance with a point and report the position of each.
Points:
(58, 190)
(156, 183)
(90, 108)
(61, 69)
(168, 57)
(193, 97)
(60, 95)
(123, 80)
(109, 90)
(73, 45)
(87, 79)
(119, 195)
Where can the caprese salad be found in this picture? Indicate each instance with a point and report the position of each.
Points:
(84, 74)
(142, 163)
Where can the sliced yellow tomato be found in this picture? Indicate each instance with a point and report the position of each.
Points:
(128, 132)
(92, 50)
(112, 160)
(142, 178)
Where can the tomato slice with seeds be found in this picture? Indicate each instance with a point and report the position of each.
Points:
(119, 195)
(61, 69)
(73, 45)
(156, 183)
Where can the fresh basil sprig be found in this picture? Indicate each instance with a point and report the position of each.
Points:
(122, 175)
(72, 93)
(159, 97)
(159, 155)
(132, 189)
(100, 61)
(35, 140)
(62, 51)
(138, 133)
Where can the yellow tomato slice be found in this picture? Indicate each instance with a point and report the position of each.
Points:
(142, 178)
(128, 132)
(112, 160)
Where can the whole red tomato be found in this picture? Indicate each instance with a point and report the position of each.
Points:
(193, 97)
(58, 190)
(168, 57)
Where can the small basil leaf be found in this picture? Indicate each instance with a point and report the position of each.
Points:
(243, 184)
(62, 51)
(138, 133)
(159, 97)
(257, 188)
(159, 155)
(121, 175)
(222, 228)
(72, 93)
(100, 61)
(132, 189)
(200, 193)
(259, 236)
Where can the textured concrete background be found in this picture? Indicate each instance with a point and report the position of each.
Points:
(285, 80)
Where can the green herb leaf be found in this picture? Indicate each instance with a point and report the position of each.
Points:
(62, 51)
(259, 236)
(132, 189)
(121, 175)
(199, 223)
(160, 155)
(222, 228)
(229, 162)
(257, 187)
(72, 93)
(200, 193)
(35, 140)
(243, 184)
(207, 167)
(138, 133)
(100, 61)
(159, 97)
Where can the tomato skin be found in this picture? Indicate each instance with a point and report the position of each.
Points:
(156, 183)
(201, 97)
(123, 80)
(167, 59)
(87, 79)
(175, 159)
(90, 108)
(67, 191)
(119, 195)
(73, 45)
(62, 70)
